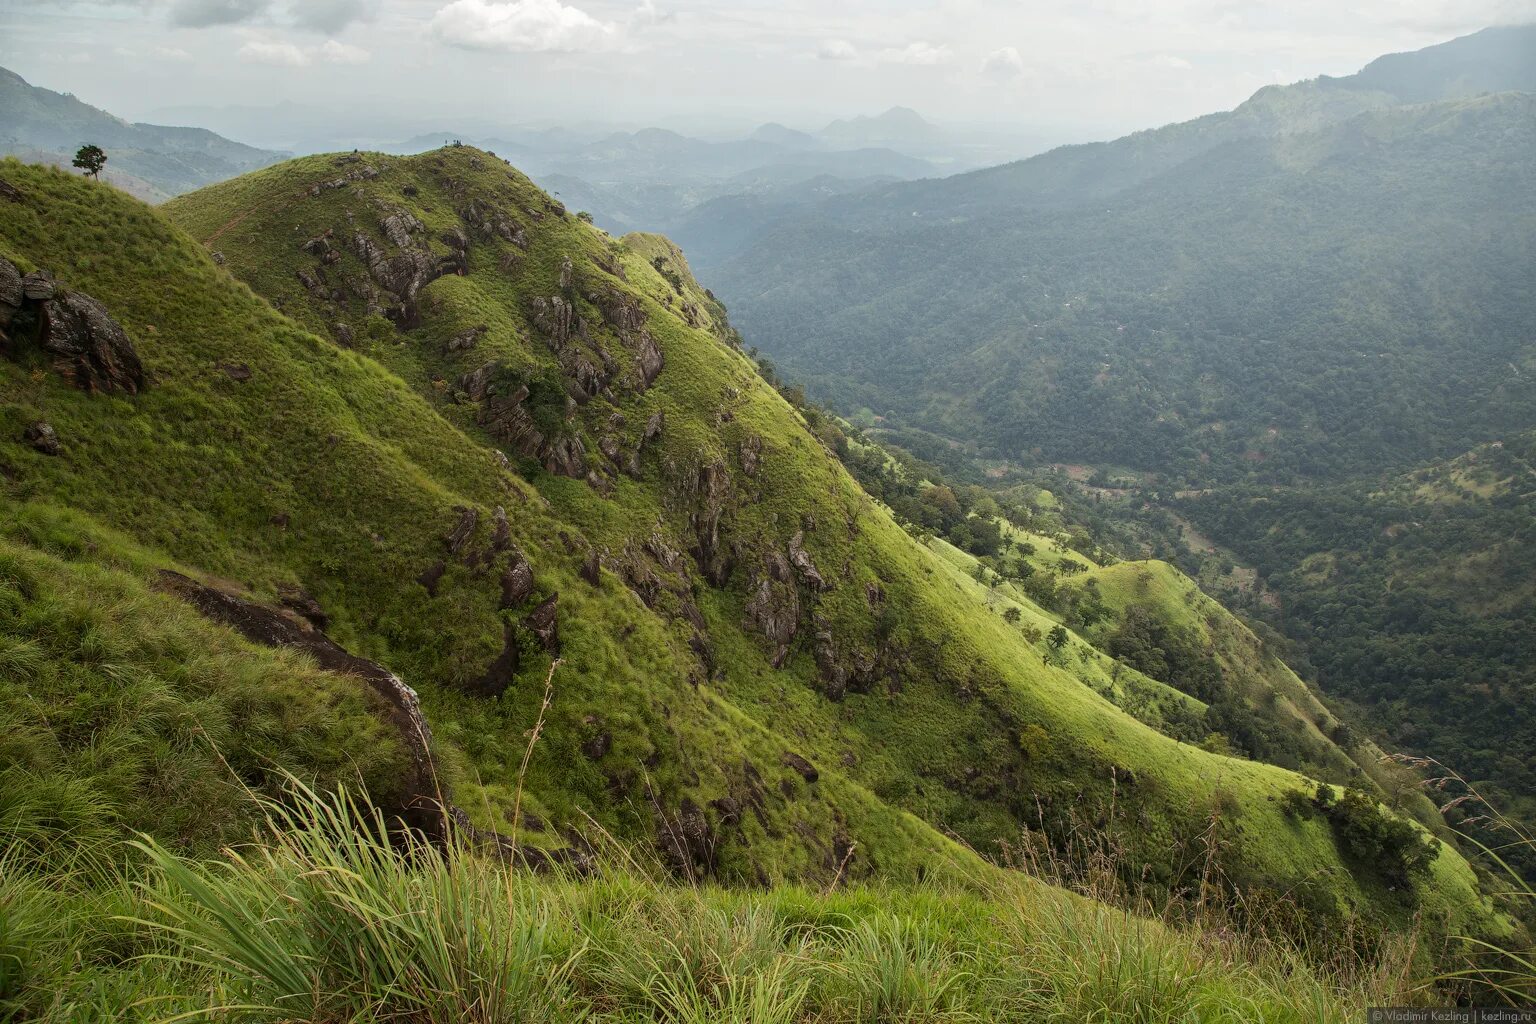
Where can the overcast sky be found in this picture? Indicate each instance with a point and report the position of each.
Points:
(1097, 66)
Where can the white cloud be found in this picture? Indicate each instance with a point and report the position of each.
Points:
(837, 49)
(1003, 63)
(343, 53)
(261, 51)
(522, 26)
(1173, 63)
(171, 53)
(919, 52)
(285, 54)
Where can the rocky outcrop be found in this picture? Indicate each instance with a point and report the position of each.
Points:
(490, 222)
(622, 312)
(421, 801)
(10, 192)
(86, 345)
(806, 770)
(462, 530)
(773, 606)
(504, 416)
(712, 491)
(543, 623)
(466, 339)
(516, 581)
(801, 559)
(686, 840)
(557, 320)
(301, 602)
(403, 275)
(399, 224)
(43, 438)
(361, 173)
(751, 454)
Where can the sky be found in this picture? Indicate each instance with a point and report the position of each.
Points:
(1090, 69)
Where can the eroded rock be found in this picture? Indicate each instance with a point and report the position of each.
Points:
(544, 624)
(806, 770)
(44, 438)
(88, 346)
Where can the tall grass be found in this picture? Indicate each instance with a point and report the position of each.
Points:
(321, 920)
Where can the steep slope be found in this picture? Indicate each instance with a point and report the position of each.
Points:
(1305, 306)
(760, 671)
(153, 162)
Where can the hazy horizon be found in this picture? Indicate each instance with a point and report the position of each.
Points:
(383, 66)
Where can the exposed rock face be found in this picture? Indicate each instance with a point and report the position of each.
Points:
(807, 770)
(467, 339)
(556, 319)
(773, 606)
(501, 531)
(486, 220)
(713, 489)
(803, 564)
(89, 346)
(10, 192)
(403, 274)
(38, 286)
(567, 274)
(516, 581)
(462, 530)
(11, 294)
(623, 313)
(399, 225)
(543, 623)
(420, 805)
(751, 454)
(687, 841)
(504, 416)
(44, 438)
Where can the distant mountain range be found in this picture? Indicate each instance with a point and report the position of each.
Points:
(1301, 328)
(151, 161)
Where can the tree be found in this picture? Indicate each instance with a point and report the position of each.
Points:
(91, 159)
(1057, 637)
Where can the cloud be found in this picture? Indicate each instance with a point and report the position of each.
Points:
(343, 53)
(171, 53)
(261, 51)
(285, 54)
(331, 16)
(1003, 63)
(522, 26)
(204, 13)
(1173, 63)
(837, 49)
(919, 52)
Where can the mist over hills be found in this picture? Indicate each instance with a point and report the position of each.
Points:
(1292, 305)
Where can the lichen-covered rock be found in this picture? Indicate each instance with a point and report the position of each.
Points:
(567, 274)
(485, 219)
(39, 286)
(773, 606)
(44, 438)
(88, 346)
(713, 490)
(556, 319)
(802, 562)
(751, 454)
(402, 274)
(516, 581)
(399, 225)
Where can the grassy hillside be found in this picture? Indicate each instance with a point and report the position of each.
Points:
(153, 162)
(761, 673)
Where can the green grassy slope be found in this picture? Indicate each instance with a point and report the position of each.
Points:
(341, 470)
